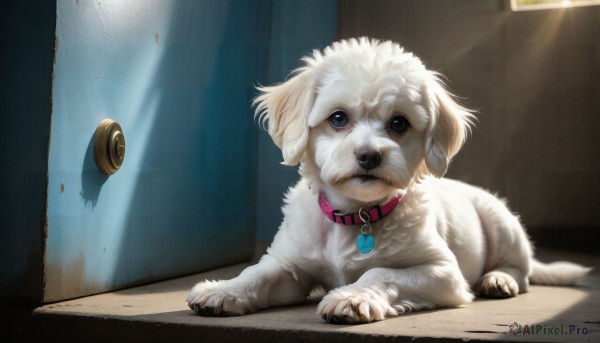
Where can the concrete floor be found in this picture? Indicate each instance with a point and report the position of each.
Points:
(158, 312)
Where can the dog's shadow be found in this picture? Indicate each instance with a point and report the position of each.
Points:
(306, 314)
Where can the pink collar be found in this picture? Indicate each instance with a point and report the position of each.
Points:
(374, 214)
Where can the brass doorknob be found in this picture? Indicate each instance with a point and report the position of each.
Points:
(109, 146)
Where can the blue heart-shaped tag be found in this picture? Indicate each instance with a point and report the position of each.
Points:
(365, 243)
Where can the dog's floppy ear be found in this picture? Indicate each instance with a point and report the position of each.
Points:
(285, 108)
(448, 127)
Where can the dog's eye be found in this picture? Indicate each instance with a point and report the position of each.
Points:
(338, 119)
(399, 124)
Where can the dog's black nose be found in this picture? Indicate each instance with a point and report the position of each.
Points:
(368, 158)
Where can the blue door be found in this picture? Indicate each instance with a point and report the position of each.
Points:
(177, 76)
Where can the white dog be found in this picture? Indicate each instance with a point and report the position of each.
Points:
(371, 220)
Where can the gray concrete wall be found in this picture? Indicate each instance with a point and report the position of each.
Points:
(535, 79)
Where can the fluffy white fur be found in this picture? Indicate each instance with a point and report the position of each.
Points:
(446, 240)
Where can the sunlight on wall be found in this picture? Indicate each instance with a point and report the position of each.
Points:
(527, 5)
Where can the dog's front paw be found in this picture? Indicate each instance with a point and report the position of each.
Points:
(498, 285)
(349, 305)
(215, 299)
